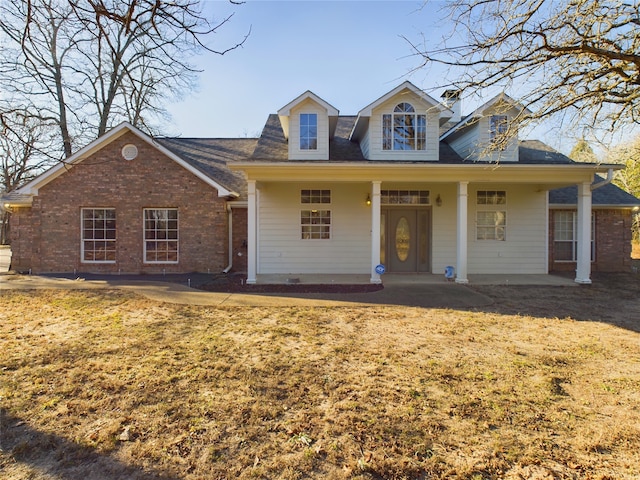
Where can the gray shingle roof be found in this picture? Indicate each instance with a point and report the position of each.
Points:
(608, 194)
(536, 152)
(212, 155)
(272, 146)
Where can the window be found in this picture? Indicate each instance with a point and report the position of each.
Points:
(491, 216)
(161, 235)
(499, 126)
(404, 129)
(565, 236)
(315, 196)
(404, 197)
(315, 224)
(308, 131)
(98, 235)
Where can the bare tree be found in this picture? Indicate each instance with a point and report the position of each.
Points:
(87, 65)
(578, 58)
(24, 141)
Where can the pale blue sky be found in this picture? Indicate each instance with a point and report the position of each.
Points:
(347, 52)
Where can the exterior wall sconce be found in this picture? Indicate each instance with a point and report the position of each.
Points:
(438, 201)
(368, 200)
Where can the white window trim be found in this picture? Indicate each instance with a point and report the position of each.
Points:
(144, 239)
(309, 206)
(82, 239)
(574, 240)
(392, 116)
(493, 208)
(310, 149)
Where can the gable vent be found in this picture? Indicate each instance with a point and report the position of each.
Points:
(129, 151)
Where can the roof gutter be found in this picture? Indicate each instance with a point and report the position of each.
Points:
(606, 181)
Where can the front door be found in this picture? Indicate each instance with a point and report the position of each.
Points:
(405, 239)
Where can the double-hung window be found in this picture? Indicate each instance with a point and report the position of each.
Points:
(161, 235)
(98, 235)
(404, 129)
(491, 215)
(565, 236)
(308, 131)
(315, 220)
(498, 128)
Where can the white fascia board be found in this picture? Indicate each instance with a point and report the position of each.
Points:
(366, 112)
(469, 120)
(546, 176)
(466, 122)
(41, 180)
(407, 85)
(308, 95)
(32, 187)
(285, 112)
(598, 206)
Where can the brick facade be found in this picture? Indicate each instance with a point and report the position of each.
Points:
(47, 236)
(239, 233)
(613, 242)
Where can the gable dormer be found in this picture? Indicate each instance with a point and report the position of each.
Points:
(489, 134)
(308, 123)
(401, 125)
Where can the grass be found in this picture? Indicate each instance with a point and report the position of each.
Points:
(106, 384)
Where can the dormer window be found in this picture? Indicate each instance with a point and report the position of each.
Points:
(499, 126)
(404, 129)
(308, 131)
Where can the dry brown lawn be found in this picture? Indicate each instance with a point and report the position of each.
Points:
(544, 384)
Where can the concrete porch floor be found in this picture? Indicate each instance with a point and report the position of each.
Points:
(390, 279)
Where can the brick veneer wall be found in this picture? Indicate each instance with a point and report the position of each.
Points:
(239, 239)
(46, 237)
(613, 242)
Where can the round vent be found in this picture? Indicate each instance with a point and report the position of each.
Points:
(129, 152)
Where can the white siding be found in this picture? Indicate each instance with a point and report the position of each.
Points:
(281, 248)
(365, 144)
(466, 145)
(524, 250)
(444, 227)
(471, 144)
(510, 153)
(282, 251)
(322, 153)
(374, 135)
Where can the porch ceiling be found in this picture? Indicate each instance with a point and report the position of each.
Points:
(552, 176)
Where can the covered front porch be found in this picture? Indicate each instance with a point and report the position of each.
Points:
(354, 245)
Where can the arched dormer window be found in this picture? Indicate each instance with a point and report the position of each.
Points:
(404, 129)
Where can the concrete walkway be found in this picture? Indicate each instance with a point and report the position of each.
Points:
(430, 291)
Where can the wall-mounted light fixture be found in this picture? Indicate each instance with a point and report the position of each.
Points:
(368, 200)
(438, 201)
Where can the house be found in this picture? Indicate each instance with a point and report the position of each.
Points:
(405, 186)
(127, 203)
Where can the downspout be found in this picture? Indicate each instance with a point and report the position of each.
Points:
(230, 227)
(604, 182)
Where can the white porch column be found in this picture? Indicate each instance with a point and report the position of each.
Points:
(375, 230)
(461, 253)
(583, 270)
(252, 228)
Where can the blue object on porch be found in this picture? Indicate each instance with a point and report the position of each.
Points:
(380, 269)
(449, 272)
